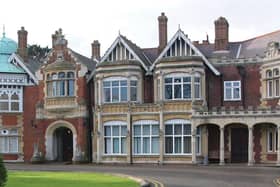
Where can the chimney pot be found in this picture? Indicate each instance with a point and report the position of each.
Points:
(162, 25)
(221, 34)
(95, 50)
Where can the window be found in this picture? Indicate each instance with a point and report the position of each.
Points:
(232, 90)
(146, 137)
(10, 98)
(60, 84)
(9, 141)
(272, 83)
(115, 137)
(272, 140)
(197, 88)
(116, 90)
(177, 88)
(178, 137)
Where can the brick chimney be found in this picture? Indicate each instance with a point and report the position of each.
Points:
(162, 29)
(95, 50)
(22, 43)
(221, 34)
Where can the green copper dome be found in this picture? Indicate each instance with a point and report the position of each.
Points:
(7, 46)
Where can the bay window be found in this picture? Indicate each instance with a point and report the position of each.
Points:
(178, 137)
(146, 137)
(60, 84)
(115, 137)
(117, 89)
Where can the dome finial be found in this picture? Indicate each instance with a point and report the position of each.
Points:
(4, 33)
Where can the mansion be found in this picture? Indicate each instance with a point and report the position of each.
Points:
(180, 102)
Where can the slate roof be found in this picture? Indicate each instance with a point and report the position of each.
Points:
(243, 49)
(91, 64)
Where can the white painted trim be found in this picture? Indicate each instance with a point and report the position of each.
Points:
(114, 123)
(180, 121)
(18, 59)
(146, 122)
(180, 34)
(232, 88)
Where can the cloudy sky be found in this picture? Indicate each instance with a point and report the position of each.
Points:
(86, 20)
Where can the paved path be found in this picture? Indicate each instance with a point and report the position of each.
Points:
(177, 175)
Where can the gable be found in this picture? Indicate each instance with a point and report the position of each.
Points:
(123, 49)
(181, 46)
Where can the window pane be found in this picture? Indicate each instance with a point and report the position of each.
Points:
(168, 80)
(70, 75)
(187, 129)
(137, 145)
(228, 93)
(133, 93)
(177, 91)
(197, 144)
(108, 146)
(270, 142)
(4, 106)
(187, 91)
(228, 84)
(107, 95)
(168, 91)
(115, 83)
(146, 129)
(178, 129)
(15, 106)
(137, 130)
(61, 75)
(236, 84)
(177, 80)
(277, 87)
(107, 130)
(178, 145)
(61, 88)
(70, 88)
(168, 145)
(106, 84)
(14, 97)
(187, 145)
(123, 93)
(123, 144)
(124, 83)
(187, 79)
(123, 131)
(116, 131)
(155, 130)
(236, 93)
(197, 91)
(155, 145)
(133, 83)
(146, 145)
(168, 130)
(4, 96)
(116, 145)
(197, 79)
(115, 94)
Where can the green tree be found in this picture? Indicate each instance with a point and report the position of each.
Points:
(3, 173)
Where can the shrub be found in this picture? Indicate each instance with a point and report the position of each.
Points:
(3, 173)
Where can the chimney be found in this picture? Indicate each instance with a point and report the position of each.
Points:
(22, 43)
(58, 40)
(95, 50)
(162, 26)
(221, 34)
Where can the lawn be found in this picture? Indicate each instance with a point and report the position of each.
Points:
(63, 179)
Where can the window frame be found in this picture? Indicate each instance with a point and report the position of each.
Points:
(120, 137)
(232, 87)
(10, 90)
(181, 83)
(272, 134)
(8, 139)
(142, 123)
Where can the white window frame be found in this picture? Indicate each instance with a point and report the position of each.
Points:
(178, 76)
(272, 132)
(197, 84)
(112, 124)
(11, 90)
(232, 87)
(142, 123)
(182, 123)
(8, 136)
(128, 89)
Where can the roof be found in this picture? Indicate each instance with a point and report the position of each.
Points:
(89, 63)
(242, 49)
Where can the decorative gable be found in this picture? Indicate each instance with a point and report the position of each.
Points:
(181, 46)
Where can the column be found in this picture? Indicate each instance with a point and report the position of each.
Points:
(278, 146)
(99, 91)
(250, 146)
(160, 87)
(98, 143)
(194, 145)
(222, 147)
(128, 139)
(161, 137)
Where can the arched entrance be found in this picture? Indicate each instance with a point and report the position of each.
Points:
(61, 141)
(63, 144)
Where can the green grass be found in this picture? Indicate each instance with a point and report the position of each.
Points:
(63, 179)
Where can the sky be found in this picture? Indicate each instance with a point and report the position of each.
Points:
(86, 20)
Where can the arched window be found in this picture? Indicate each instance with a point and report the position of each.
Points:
(10, 98)
(61, 84)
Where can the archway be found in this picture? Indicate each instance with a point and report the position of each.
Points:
(58, 134)
(63, 144)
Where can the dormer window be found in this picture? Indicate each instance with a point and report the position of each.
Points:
(60, 84)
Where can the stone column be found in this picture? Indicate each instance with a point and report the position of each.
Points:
(128, 138)
(278, 146)
(250, 146)
(161, 137)
(193, 145)
(222, 147)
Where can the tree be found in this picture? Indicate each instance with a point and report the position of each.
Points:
(3, 173)
(37, 51)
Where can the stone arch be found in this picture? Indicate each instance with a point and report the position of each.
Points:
(49, 138)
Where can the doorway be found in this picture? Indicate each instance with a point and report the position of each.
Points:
(239, 145)
(63, 144)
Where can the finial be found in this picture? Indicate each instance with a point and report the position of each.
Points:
(4, 33)
(179, 27)
(119, 32)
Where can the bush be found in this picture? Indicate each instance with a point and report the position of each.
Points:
(3, 173)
